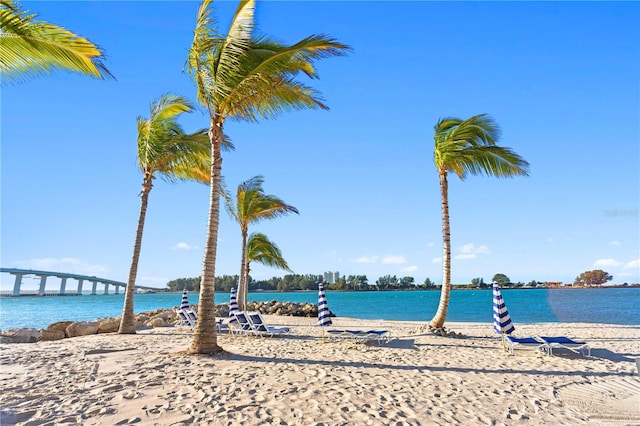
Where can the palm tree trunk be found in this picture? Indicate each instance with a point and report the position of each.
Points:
(246, 276)
(445, 293)
(243, 288)
(204, 336)
(128, 320)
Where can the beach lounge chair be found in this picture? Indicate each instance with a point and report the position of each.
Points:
(512, 342)
(381, 336)
(187, 317)
(360, 336)
(184, 320)
(562, 342)
(260, 328)
(241, 325)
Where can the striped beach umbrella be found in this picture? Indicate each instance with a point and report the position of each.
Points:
(185, 300)
(324, 315)
(501, 320)
(233, 305)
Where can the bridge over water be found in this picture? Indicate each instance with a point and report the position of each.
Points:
(19, 273)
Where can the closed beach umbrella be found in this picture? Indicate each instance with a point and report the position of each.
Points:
(324, 316)
(233, 306)
(501, 320)
(185, 300)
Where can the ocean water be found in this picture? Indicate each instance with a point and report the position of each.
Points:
(611, 306)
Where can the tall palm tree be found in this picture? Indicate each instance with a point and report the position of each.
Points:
(262, 250)
(242, 77)
(252, 206)
(30, 47)
(163, 148)
(462, 147)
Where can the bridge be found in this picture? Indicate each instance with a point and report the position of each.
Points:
(19, 273)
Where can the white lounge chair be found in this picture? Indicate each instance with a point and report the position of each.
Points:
(360, 336)
(187, 317)
(562, 342)
(512, 342)
(241, 325)
(260, 327)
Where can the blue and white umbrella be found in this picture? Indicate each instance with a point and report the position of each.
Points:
(185, 300)
(324, 315)
(233, 306)
(501, 320)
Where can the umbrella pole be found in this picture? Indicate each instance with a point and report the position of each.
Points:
(322, 334)
(504, 348)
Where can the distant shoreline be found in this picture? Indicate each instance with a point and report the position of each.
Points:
(162, 291)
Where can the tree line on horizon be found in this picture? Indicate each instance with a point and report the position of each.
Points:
(308, 282)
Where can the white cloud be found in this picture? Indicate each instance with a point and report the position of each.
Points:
(607, 263)
(393, 260)
(183, 246)
(70, 265)
(634, 264)
(465, 256)
(436, 260)
(365, 259)
(412, 268)
(470, 251)
(615, 243)
(431, 244)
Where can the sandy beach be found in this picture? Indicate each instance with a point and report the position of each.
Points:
(297, 379)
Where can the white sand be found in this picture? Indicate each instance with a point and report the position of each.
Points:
(299, 380)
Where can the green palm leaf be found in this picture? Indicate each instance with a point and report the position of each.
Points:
(30, 48)
(262, 250)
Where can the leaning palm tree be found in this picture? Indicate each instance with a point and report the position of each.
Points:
(262, 250)
(252, 206)
(164, 149)
(30, 47)
(461, 147)
(242, 77)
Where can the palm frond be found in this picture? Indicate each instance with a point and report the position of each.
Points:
(252, 205)
(205, 40)
(490, 160)
(164, 148)
(261, 97)
(276, 58)
(30, 48)
(169, 106)
(469, 146)
(262, 250)
(238, 40)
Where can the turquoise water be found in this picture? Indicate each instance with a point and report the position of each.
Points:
(612, 306)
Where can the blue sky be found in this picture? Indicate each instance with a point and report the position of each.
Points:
(561, 79)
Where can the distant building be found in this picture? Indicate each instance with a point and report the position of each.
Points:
(331, 277)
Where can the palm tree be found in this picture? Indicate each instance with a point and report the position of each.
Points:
(242, 77)
(262, 250)
(30, 47)
(461, 147)
(165, 149)
(252, 206)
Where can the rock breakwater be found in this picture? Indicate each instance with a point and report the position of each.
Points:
(150, 319)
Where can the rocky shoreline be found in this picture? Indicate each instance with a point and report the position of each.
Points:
(150, 319)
